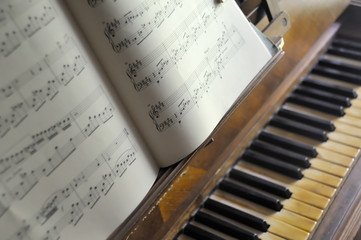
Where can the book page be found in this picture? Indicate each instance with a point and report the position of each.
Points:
(177, 65)
(71, 163)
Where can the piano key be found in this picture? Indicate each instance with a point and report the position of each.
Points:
(199, 233)
(235, 214)
(345, 139)
(250, 194)
(273, 164)
(224, 226)
(299, 128)
(355, 112)
(312, 184)
(285, 230)
(309, 197)
(333, 109)
(347, 53)
(289, 144)
(331, 145)
(323, 95)
(345, 124)
(280, 153)
(314, 176)
(334, 169)
(322, 177)
(340, 65)
(347, 42)
(317, 193)
(350, 130)
(307, 119)
(337, 74)
(284, 215)
(302, 209)
(330, 87)
(334, 157)
(269, 236)
(356, 103)
(260, 183)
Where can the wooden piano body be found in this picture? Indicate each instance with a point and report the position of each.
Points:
(182, 189)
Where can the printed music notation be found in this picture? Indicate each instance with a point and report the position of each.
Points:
(82, 121)
(155, 14)
(96, 3)
(152, 68)
(66, 206)
(166, 113)
(57, 69)
(20, 20)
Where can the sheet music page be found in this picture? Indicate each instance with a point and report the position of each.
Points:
(177, 65)
(71, 164)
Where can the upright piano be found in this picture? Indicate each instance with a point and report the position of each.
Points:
(283, 164)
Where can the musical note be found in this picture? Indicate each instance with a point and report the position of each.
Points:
(156, 13)
(171, 51)
(67, 206)
(22, 21)
(38, 140)
(166, 113)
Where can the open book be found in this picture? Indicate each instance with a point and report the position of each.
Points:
(97, 95)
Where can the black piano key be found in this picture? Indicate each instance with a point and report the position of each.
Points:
(289, 144)
(272, 164)
(322, 106)
(260, 183)
(323, 95)
(340, 65)
(237, 215)
(280, 153)
(314, 121)
(329, 87)
(347, 42)
(344, 52)
(251, 195)
(299, 128)
(199, 233)
(337, 74)
(224, 226)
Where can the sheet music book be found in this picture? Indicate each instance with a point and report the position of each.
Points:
(97, 95)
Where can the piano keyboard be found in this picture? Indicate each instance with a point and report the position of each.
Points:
(284, 181)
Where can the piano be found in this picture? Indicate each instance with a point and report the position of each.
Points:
(284, 163)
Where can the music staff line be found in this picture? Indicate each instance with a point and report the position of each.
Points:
(96, 3)
(94, 192)
(115, 36)
(184, 98)
(22, 22)
(61, 73)
(171, 51)
(38, 140)
(27, 180)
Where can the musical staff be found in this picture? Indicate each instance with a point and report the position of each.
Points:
(22, 20)
(172, 50)
(23, 180)
(66, 206)
(62, 65)
(166, 113)
(155, 15)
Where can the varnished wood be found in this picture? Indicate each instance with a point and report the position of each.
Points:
(170, 207)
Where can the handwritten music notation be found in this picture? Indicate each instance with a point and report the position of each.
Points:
(121, 38)
(152, 68)
(21, 20)
(166, 113)
(82, 121)
(65, 207)
(57, 69)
